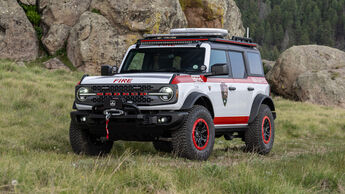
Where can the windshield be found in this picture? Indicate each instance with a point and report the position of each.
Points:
(179, 60)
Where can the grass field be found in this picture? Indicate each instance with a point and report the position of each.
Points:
(35, 155)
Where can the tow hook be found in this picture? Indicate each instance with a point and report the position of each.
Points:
(108, 114)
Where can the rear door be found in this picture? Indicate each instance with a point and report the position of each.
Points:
(240, 95)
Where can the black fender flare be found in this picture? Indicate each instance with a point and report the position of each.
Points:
(261, 99)
(193, 98)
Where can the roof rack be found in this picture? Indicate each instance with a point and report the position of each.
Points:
(194, 35)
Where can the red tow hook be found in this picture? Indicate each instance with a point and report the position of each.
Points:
(107, 119)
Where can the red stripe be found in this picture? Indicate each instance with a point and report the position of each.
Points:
(234, 42)
(230, 120)
(173, 40)
(189, 79)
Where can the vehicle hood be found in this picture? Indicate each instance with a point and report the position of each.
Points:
(137, 78)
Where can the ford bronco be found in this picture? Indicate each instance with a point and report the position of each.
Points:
(180, 91)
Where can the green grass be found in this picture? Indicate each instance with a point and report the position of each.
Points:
(308, 155)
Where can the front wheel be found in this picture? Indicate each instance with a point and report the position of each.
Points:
(83, 142)
(195, 139)
(260, 135)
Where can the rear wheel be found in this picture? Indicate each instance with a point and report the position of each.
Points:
(163, 146)
(195, 139)
(260, 135)
(83, 142)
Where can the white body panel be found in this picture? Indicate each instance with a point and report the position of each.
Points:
(236, 103)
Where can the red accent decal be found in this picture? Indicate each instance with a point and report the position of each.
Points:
(234, 42)
(99, 94)
(108, 94)
(117, 94)
(230, 120)
(208, 134)
(134, 94)
(262, 130)
(125, 94)
(78, 84)
(174, 40)
(182, 79)
(126, 81)
(189, 79)
(106, 128)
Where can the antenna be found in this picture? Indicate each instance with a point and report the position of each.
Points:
(247, 32)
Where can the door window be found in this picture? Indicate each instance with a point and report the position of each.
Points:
(217, 56)
(237, 65)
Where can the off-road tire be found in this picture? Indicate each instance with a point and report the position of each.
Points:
(185, 144)
(163, 146)
(83, 143)
(255, 137)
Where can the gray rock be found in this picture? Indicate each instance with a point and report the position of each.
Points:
(310, 73)
(94, 42)
(56, 37)
(214, 14)
(28, 2)
(57, 18)
(138, 17)
(54, 64)
(268, 65)
(17, 36)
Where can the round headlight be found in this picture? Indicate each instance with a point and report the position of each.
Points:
(168, 93)
(82, 93)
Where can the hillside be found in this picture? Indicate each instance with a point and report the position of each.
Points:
(277, 25)
(35, 155)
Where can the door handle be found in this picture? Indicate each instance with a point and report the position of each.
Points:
(232, 88)
(250, 89)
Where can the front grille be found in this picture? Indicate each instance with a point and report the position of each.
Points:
(136, 94)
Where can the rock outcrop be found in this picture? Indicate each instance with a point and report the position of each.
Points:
(138, 17)
(57, 18)
(17, 36)
(28, 2)
(55, 64)
(310, 73)
(214, 14)
(93, 42)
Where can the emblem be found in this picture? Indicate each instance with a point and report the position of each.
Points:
(225, 92)
(112, 103)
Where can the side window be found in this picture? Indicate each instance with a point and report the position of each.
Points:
(237, 64)
(255, 64)
(217, 56)
(137, 62)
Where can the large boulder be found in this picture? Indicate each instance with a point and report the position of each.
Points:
(214, 14)
(144, 16)
(57, 19)
(310, 73)
(17, 36)
(94, 42)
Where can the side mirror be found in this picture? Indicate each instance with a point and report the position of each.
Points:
(220, 69)
(107, 70)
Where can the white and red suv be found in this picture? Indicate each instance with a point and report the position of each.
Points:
(180, 91)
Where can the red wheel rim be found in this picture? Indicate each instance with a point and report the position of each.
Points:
(266, 130)
(200, 134)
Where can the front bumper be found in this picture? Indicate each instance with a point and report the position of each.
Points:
(137, 127)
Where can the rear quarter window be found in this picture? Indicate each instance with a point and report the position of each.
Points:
(255, 64)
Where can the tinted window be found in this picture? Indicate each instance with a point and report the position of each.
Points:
(237, 64)
(255, 64)
(217, 56)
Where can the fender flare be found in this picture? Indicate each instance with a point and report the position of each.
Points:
(261, 99)
(193, 98)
